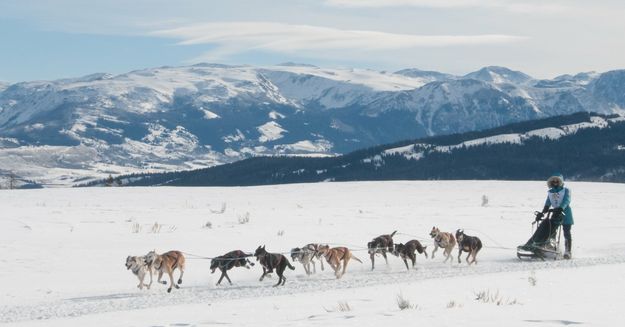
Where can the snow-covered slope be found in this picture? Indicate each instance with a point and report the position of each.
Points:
(64, 252)
(206, 114)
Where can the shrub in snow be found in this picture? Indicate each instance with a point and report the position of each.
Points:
(453, 304)
(135, 228)
(221, 210)
(487, 297)
(244, 219)
(403, 303)
(281, 233)
(208, 225)
(532, 278)
(342, 306)
(156, 228)
(484, 200)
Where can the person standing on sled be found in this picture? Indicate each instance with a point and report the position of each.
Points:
(559, 197)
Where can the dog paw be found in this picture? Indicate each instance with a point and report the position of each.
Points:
(163, 282)
(169, 290)
(179, 281)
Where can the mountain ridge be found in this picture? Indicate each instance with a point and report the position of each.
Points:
(209, 114)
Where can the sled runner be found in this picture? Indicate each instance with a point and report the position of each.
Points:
(545, 241)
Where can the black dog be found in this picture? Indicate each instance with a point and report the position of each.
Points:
(467, 243)
(408, 251)
(380, 245)
(271, 261)
(236, 258)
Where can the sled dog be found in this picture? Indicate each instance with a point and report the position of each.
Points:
(380, 245)
(271, 261)
(443, 240)
(167, 263)
(139, 268)
(236, 258)
(470, 244)
(307, 255)
(336, 256)
(407, 251)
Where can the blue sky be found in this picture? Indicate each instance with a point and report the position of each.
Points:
(64, 38)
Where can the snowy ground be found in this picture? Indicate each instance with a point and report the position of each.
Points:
(63, 254)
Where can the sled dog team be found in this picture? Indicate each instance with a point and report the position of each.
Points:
(336, 257)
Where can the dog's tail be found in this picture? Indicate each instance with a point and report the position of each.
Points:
(393, 233)
(356, 258)
(423, 250)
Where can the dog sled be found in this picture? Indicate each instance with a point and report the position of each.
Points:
(545, 241)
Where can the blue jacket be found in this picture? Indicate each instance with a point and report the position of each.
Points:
(560, 197)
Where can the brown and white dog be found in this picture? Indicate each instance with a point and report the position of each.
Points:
(443, 240)
(466, 243)
(307, 255)
(336, 257)
(380, 245)
(139, 268)
(166, 263)
(408, 251)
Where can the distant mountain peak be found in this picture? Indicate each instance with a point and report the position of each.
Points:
(296, 64)
(499, 75)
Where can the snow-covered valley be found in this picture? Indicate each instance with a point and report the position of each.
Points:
(64, 252)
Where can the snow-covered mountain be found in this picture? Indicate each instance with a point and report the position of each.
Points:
(584, 146)
(167, 118)
(499, 75)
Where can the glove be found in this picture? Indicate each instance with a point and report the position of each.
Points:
(545, 209)
(539, 216)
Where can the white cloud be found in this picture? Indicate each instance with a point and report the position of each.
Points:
(235, 37)
(522, 6)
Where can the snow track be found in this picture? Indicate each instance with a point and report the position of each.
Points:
(322, 281)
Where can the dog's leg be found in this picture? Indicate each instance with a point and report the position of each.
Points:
(447, 254)
(314, 266)
(384, 255)
(160, 275)
(181, 268)
(280, 272)
(227, 277)
(263, 275)
(150, 271)
(321, 263)
(223, 273)
(435, 249)
(413, 258)
(460, 252)
(345, 261)
(372, 256)
(406, 263)
(142, 280)
(171, 280)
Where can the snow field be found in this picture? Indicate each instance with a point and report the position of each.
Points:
(64, 252)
